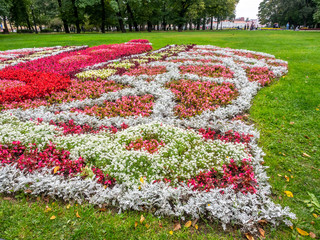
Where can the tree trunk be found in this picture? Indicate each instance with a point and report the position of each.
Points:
(120, 19)
(28, 22)
(218, 21)
(149, 24)
(5, 30)
(211, 23)
(204, 23)
(34, 20)
(103, 17)
(76, 15)
(190, 25)
(132, 17)
(198, 24)
(65, 23)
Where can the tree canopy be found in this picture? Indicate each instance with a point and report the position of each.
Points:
(121, 15)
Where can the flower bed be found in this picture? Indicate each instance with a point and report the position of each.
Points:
(154, 131)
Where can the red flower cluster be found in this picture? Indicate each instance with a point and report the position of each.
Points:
(240, 177)
(123, 107)
(151, 146)
(31, 159)
(37, 84)
(207, 71)
(230, 136)
(72, 128)
(139, 41)
(146, 70)
(71, 62)
(196, 97)
(260, 74)
(251, 55)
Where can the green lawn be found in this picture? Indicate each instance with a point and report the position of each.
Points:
(287, 114)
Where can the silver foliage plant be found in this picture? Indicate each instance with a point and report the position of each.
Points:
(231, 207)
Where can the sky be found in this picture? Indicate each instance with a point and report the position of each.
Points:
(248, 8)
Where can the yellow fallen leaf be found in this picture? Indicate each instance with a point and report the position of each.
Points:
(291, 227)
(47, 209)
(171, 232)
(289, 170)
(147, 225)
(288, 179)
(68, 206)
(291, 176)
(55, 170)
(141, 180)
(105, 186)
(315, 215)
(249, 236)
(142, 219)
(53, 217)
(188, 224)
(289, 194)
(196, 226)
(279, 175)
(77, 214)
(135, 224)
(301, 232)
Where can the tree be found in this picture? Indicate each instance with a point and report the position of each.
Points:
(316, 15)
(4, 13)
(296, 12)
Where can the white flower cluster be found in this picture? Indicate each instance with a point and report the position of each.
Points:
(184, 155)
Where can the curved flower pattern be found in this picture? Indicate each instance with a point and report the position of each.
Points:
(118, 125)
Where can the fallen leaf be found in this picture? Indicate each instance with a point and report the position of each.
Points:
(188, 224)
(135, 224)
(68, 206)
(176, 227)
(171, 233)
(147, 225)
(312, 235)
(196, 226)
(301, 232)
(262, 221)
(249, 236)
(142, 219)
(77, 214)
(7, 198)
(279, 175)
(55, 170)
(291, 176)
(288, 179)
(306, 155)
(28, 191)
(102, 209)
(261, 232)
(289, 194)
(160, 225)
(141, 180)
(291, 227)
(291, 123)
(312, 222)
(47, 209)
(315, 215)
(53, 217)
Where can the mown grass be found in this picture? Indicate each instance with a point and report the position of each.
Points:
(286, 113)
